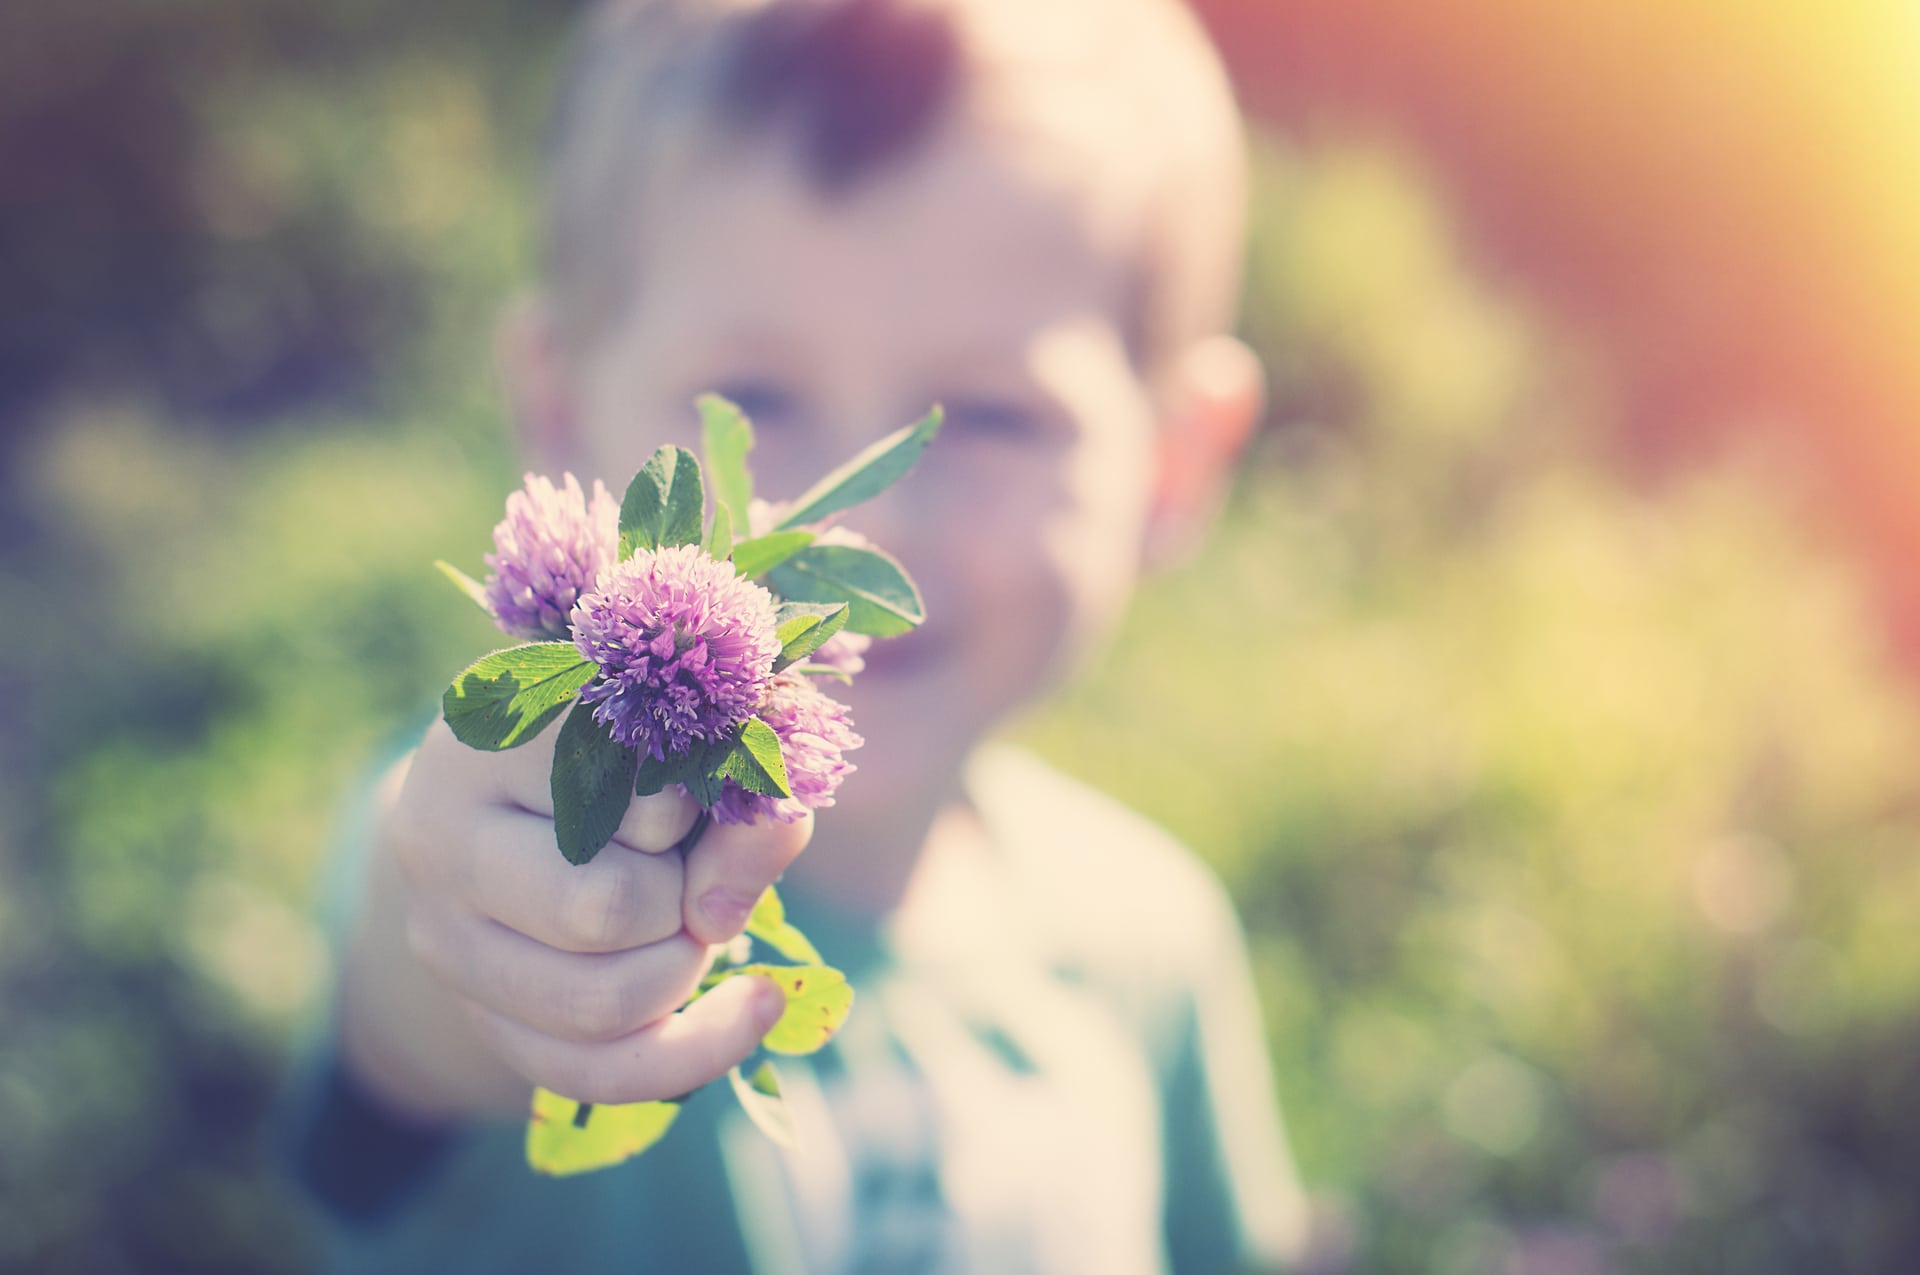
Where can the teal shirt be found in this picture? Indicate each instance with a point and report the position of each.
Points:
(1060, 1070)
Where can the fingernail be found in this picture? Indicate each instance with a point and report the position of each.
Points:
(727, 909)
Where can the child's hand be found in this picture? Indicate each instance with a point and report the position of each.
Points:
(572, 974)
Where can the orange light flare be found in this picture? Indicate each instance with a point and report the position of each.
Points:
(1721, 196)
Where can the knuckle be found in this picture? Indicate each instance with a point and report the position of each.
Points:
(654, 824)
(599, 911)
(602, 1009)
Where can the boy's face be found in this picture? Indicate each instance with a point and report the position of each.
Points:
(966, 277)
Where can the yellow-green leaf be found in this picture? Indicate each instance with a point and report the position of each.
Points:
(754, 762)
(804, 627)
(465, 583)
(866, 475)
(760, 1098)
(818, 1000)
(506, 698)
(726, 436)
(883, 600)
(763, 553)
(593, 782)
(663, 504)
(557, 1145)
(720, 534)
(769, 925)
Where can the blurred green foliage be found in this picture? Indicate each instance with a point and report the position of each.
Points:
(1572, 820)
(231, 210)
(1573, 823)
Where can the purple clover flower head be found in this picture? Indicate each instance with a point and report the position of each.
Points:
(549, 549)
(685, 647)
(814, 732)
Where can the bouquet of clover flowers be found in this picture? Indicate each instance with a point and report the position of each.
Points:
(681, 654)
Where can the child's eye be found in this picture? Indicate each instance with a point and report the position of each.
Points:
(763, 402)
(993, 417)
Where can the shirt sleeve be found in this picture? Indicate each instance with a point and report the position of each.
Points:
(387, 1195)
(358, 1162)
(1233, 1199)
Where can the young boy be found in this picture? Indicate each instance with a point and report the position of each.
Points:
(836, 213)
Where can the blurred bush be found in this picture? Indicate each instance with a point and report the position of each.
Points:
(236, 209)
(1571, 814)
(221, 638)
(252, 254)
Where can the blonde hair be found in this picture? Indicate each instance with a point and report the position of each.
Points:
(860, 86)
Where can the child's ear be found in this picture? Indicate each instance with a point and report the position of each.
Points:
(534, 374)
(1215, 395)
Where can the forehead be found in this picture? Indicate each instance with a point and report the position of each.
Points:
(999, 224)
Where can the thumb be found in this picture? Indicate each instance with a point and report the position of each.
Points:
(730, 867)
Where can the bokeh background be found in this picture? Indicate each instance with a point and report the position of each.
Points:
(1561, 744)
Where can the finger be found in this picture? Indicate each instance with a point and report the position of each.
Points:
(569, 995)
(520, 775)
(513, 874)
(731, 867)
(522, 778)
(656, 824)
(665, 1059)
